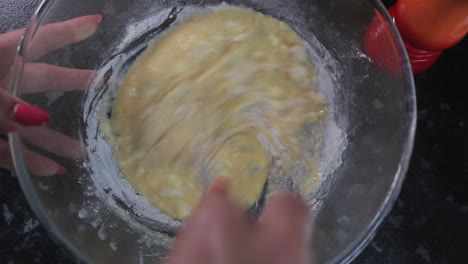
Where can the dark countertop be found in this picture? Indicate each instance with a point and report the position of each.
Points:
(428, 224)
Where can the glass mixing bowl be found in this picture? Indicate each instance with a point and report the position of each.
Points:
(375, 112)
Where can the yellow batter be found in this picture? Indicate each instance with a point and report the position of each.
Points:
(224, 94)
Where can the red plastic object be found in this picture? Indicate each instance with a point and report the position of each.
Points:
(380, 46)
(427, 28)
(432, 24)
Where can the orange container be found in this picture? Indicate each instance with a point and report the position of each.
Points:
(427, 27)
(432, 24)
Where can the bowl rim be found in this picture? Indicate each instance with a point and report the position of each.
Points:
(360, 242)
(14, 140)
(345, 256)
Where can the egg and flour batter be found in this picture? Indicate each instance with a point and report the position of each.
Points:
(227, 94)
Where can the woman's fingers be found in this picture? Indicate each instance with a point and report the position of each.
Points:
(35, 163)
(54, 36)
(41, 165)
(8, 43)
(15, 113)
(8, 126)
(53, 141)
(216, 231)
(49, 37)
(285, 210)
(286, 227)
(40, 77)
(217, 209)
(7, 106)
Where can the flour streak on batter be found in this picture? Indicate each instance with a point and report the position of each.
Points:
(233, 87)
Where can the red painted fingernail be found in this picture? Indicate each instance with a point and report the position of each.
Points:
(28, 115)
(218, 186)
(98, 18)
(61, 170)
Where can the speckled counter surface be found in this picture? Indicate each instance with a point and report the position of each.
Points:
(428, 224)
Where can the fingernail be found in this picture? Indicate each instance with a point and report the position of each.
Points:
(87, 30)
(218, 186)
(107, 75)
(28, 115)
(98, 18)
(61, 170)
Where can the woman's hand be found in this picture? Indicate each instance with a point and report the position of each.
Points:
(220, 232)
(19, 116)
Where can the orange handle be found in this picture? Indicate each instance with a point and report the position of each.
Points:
(432, 24)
